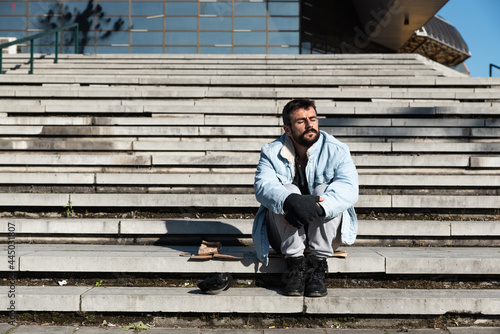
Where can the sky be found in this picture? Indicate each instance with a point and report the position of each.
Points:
(478, 21)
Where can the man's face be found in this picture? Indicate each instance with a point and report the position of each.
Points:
(304, 129)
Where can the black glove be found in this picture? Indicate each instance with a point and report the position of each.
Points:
(302, 209)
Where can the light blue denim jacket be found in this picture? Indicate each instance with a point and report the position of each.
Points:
(329, 162)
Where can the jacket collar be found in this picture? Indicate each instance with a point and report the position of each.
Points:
(288, 150)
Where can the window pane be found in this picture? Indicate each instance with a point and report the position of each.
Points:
(284, 8)
(51, 11)
(181, 23)
(145, 23)
(112, 23)
(216, 8)
(112, 49)
(44, 8)
(16, 34)
(78, 7)
(306, 45)
(249, 50)
(305, 51)
(250, 38)
(215, 38)
(68, 40)
(181, 38)
(41, 49)
(147, 8)
(23, 49)
(283, 51)
(283, 38)
(114, 8)
(283, 23)
(147, 49)
(46, 40)
(147, 38)
(182, 8)
(181, 49)
(245, 8)
(12, 8)
(216, 23)
(251, 23)
(215, 50)
(42, 22)
(112, 37)
(12, 23)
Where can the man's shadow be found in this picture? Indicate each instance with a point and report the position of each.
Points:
(186, 235)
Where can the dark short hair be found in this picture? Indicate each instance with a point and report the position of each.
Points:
(293, 105)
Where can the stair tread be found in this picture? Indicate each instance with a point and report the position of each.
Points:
(255, 300)
(168, 259)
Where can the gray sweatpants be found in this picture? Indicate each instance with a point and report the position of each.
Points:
(321, 236)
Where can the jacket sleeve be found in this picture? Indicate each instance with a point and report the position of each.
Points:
(269, 189)
(342, 193)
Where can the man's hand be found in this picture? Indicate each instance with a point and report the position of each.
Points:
(302, 209)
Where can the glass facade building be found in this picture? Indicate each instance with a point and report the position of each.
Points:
(231, 26)
(160, 26)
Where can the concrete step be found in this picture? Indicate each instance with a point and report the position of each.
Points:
(198, 179)
(148, 71)
(84, 169)
(429, 181)
(485, 162)
(312, 79)
(172, 130)
(403, 122)
(214, 56)
(240, 131)
(252, 57)
(257, 90)
(213, 144)
(189, 105)
(107, 145)
(66, 65)
(446, 147)
(231, 58)
(196, 159)
(342, 92)
(232, 120)
(174, 119)
(84, 329)
(75, 159)
(225, 59)
(304, 63)
(167, 259)
(207, 119)
(268, 59)
(46, 227)
(167, 200)
(336, 108)
(232, 159)
(410, 107)
(409, 132)
(253, 300)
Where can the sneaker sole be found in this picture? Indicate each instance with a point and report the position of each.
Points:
(316, 294)
(294, 294)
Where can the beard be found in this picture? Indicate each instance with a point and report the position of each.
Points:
(305, 141)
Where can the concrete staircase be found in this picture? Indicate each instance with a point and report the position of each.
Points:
(114, 165)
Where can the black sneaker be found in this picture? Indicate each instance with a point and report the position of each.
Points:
(294, 278)
(216, 284)
(317, 268)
